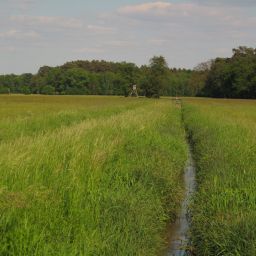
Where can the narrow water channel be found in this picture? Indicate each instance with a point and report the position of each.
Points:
(179, 231)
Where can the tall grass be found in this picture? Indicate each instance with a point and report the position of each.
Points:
(30, 115)
(100, 186)
(223, 133)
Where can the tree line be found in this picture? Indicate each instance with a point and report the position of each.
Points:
(101, 78)
(233, 77)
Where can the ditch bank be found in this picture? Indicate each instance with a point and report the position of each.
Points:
(178, 232)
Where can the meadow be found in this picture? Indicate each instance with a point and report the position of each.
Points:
(103, 175)
(88, 175)
(223, 137)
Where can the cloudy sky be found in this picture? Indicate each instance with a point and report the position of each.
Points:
(50, 32)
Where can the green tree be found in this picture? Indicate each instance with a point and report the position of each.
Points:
(48, 89)
(233, 77)
(25, 89)
(157, 77)
(3, 89)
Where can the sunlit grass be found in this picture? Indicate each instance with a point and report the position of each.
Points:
(29, 115)
(223, 133)
(103, 184)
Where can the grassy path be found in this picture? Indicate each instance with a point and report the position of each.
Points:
(101, 186)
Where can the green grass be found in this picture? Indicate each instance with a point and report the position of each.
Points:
(30, 115)
(103, 175)
(223, 134)
(88, 175)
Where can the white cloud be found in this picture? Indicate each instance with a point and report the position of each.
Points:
(89, 50)
(120, 43)
(9, 49)
(16, 34)
(188, 13)
(185, 31)
(157, 41)
(22, 1)
(21, 4)
(146, 7)
(240, 3)
(100, 29)
(164, 9)
(55, 21)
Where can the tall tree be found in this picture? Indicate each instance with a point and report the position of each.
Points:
(233, 77)
(157, 77)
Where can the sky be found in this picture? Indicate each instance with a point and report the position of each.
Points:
(34, 33)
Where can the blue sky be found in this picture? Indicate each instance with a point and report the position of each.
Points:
(34, 33)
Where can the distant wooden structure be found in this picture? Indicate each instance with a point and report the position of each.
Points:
(134, 92)
(176, 100)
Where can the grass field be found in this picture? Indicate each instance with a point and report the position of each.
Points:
(23, 115)
(88, 175)
(223, 134)
(103, 175)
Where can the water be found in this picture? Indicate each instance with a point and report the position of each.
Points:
(178, 240)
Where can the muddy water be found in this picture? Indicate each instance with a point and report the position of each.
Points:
(179, 231)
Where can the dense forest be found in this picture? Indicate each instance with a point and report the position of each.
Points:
(96, 78)
(233, 77)
(99, 78)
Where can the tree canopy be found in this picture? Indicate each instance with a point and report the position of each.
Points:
(99, 78)
(233, 77)
(157, 77)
